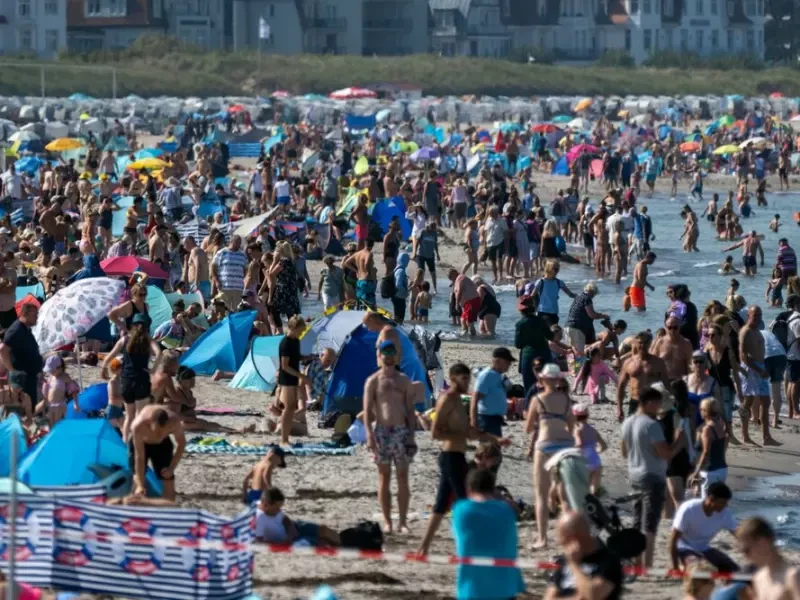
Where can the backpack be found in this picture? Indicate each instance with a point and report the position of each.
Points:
(781, 330)
(367, 535)
(388, 286)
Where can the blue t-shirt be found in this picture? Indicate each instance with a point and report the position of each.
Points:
(548, 295)
(490, 384)
(486, 529)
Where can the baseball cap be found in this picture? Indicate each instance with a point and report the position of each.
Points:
(503, 353)
(281, 454)
(551, 371)
(387, 347)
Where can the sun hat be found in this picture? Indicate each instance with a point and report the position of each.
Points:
(52, 363)
(551, 371)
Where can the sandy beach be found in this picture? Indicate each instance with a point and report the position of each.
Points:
(340, 491)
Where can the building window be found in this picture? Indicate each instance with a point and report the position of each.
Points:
(271, 10)
(669, 8)
(24, 9)
(51, 40)
(627, 39)
(698, 40)
(730, 40)
(714, 7)
(105, 8)
(25, 37)
(684, 40)
(699, 8)
(648, 39)
(473, 48)
(634, 7)
(751, 7)
(750, 40)
(646, 7)
(714, 39)
(51, 7)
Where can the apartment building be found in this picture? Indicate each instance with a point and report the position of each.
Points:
(33, 27)
(206, 23)
(109, 24)
(471, 27)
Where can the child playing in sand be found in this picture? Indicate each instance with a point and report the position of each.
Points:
(259, 478)
(774, 293)
(593, 376)
(115, 411)
(424, 302)
(727, 268)
(591, 443)
(775, 223)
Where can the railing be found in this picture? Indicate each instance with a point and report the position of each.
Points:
(445, 30)
(398, 24)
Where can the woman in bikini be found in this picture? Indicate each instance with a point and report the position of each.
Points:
(551, 421)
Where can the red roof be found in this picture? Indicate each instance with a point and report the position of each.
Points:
(138, 14)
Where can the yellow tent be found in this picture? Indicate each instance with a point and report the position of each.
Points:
(13, 151)
(727, 149)
(85, 117)
(62, 144)
(148, 163)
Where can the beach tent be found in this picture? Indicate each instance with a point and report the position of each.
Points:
(36, 290)
(63, 457)
(357, 360)
(158, 308)
(560, 167)
(260, 367)
(385, 210)
(222, 347)
(330, 331)
(10, 428)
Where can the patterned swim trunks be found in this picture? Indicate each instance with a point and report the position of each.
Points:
(393, 446)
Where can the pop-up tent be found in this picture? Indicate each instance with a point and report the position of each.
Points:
(260, 367)
(222, 347)
(330, 331)
(357, 361)
(10, 428)
(384, 211)
(63, 457)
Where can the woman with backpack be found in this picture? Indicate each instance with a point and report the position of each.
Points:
(547, 290)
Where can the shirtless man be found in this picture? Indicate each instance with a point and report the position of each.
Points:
(150, 441)
(468, 299)
(361, 218)
(640, 282)
(642, 370)
(196, 272)
(675, 350)
(364, 263)
(47, 221)
(259, 477)
(775, 579)
(389, 403)
(162, 387)
(755, 380)
(158, 245)
(108, 165)
(749, 245)
(451, 427)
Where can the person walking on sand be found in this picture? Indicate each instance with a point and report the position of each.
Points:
(451, 427)
(749, 245)
(468, 298)
(641, 370)
(364, 263)
(289, 376)
(389, 404)
(755, 381)
(674, 349)
(640, 282)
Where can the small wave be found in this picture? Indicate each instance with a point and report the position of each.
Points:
(710, 263)
(506, 287)
(669, 273)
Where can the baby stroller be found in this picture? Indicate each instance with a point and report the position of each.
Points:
(628, 543)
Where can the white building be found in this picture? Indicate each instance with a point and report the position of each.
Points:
(33, 26)
(100, 24)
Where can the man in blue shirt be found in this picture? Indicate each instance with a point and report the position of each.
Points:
(488, 406)
(485, 527)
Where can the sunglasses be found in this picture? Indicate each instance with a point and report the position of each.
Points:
(698, 361)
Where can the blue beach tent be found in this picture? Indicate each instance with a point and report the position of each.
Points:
(10, 428)
(222, 347)
(561, 167)
(260, 366)
(385, 210)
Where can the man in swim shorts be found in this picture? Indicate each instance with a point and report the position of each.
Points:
(367, 282)
(749, 245)
(389, 404)
(640, 282)
(755, 383)
(150, 441)
(467, 297)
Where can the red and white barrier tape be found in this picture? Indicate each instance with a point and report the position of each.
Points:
(353, 554)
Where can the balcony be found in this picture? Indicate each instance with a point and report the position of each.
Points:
(330, 24)
(446, 31)
(389, 24)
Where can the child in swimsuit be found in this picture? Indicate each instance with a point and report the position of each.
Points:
(115, 412)
(775, 288)
(424, 303)
(58, 389)
(593, 377)
(591, 444)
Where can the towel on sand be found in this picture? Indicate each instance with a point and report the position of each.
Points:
(219, 445)
(229, 412)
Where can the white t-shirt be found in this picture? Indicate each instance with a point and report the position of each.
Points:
(255, 179)
(794, 336)
(282, 189)
(271, 528)
(697, 528)
(12, 185)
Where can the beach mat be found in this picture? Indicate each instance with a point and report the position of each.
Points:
(221, 446)
(228, 412)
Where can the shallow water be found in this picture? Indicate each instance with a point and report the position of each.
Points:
(774, 499)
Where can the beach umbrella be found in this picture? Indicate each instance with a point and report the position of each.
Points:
(544, 128)
(236, 108)
(127, 265)
(148, 163)
(553, 138)
(280, 94)
(562, 119)
(776, 95)
(352, 93)
(85, 116)
(583, 104)
(579, 123)
(756, 142)
(148, 153)
(576, 151)
(23, 136)
(425, 153)
(63, 144)
(74, 310)
(727, 149)
(690, 146)
(725, 120)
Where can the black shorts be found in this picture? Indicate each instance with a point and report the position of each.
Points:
(497, 252)
(588, 241)
(19, 380)
(158, 455)
(422, 262)
(647, 509)
(452, 480)
(7, 318)
(749, 261)
(512, 249)
(48, 244)
(134, 389)
(794, 371)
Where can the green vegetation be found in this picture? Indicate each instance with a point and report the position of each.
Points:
(160, 66)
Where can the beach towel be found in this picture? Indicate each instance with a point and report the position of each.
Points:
(229, 412)
(219, 445)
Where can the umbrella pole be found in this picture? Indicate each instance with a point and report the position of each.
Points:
(80, 368)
